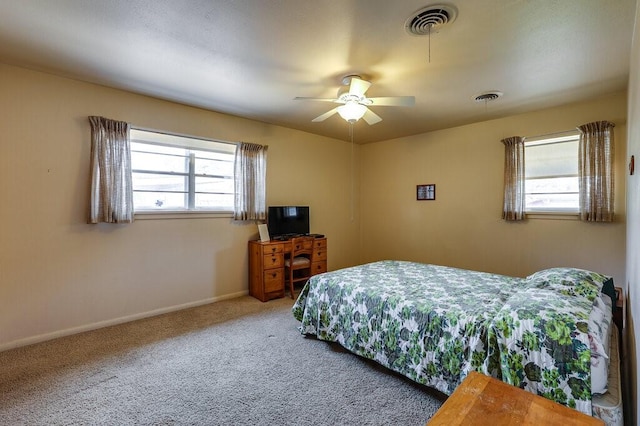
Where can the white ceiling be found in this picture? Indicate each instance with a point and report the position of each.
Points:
(252, 57)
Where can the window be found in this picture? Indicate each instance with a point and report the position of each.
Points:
(174, 173)
(551, 174)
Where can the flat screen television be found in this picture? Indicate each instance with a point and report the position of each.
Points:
(288, 220)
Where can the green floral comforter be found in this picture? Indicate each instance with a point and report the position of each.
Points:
(435, 324)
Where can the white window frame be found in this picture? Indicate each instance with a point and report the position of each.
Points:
(571, 212)
(162, 138)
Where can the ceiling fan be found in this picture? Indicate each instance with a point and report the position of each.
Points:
(355, 103)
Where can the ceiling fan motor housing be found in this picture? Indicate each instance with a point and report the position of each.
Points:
(354, 101)
(346, 80)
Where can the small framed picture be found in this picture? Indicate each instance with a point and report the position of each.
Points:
(426, 192)
(264, 233)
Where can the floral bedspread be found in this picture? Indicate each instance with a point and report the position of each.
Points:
(435, 324)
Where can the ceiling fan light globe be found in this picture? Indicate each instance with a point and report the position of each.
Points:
(352, 111)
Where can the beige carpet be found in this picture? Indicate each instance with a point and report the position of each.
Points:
(234, 362)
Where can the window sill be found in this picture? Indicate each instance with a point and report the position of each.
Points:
(553, 215)
(156, 215)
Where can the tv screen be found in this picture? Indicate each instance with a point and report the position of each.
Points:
(288, 220)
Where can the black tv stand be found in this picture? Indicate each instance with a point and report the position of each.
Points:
(287, 237)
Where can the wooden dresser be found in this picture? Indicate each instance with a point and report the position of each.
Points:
(484, 401)
(266, 266)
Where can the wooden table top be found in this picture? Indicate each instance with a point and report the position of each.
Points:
(482, 400)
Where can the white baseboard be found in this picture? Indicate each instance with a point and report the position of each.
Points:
(101, 324)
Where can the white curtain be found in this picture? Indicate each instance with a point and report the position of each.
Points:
(514, 197)
(111, 186)
(250, 182)
(595, 171)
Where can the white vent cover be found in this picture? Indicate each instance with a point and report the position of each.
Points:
(487, 96)
(429, 18)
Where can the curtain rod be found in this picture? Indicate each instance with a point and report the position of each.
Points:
(555, 134)
(164, 132)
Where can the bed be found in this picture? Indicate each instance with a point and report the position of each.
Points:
(548, 333)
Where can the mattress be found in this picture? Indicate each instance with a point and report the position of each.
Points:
(608, 406)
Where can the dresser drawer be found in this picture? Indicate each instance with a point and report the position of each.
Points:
(273, 249)
(273, 261)
(320, 243)
(318, 268)
(273, 280)
(320, 254)
(302, 244)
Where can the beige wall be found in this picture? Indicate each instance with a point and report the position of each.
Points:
(59, 275)
(632, 335)
(463, 226)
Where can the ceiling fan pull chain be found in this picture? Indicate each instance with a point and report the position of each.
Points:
(429, 37)
(352, 171)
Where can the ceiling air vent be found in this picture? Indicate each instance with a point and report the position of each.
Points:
(487, 96)
(430, 18)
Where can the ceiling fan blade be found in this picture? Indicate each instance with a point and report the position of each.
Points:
(358, 87)
(371, 117)
(325, 115)
(393, 101)
(316, 99)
